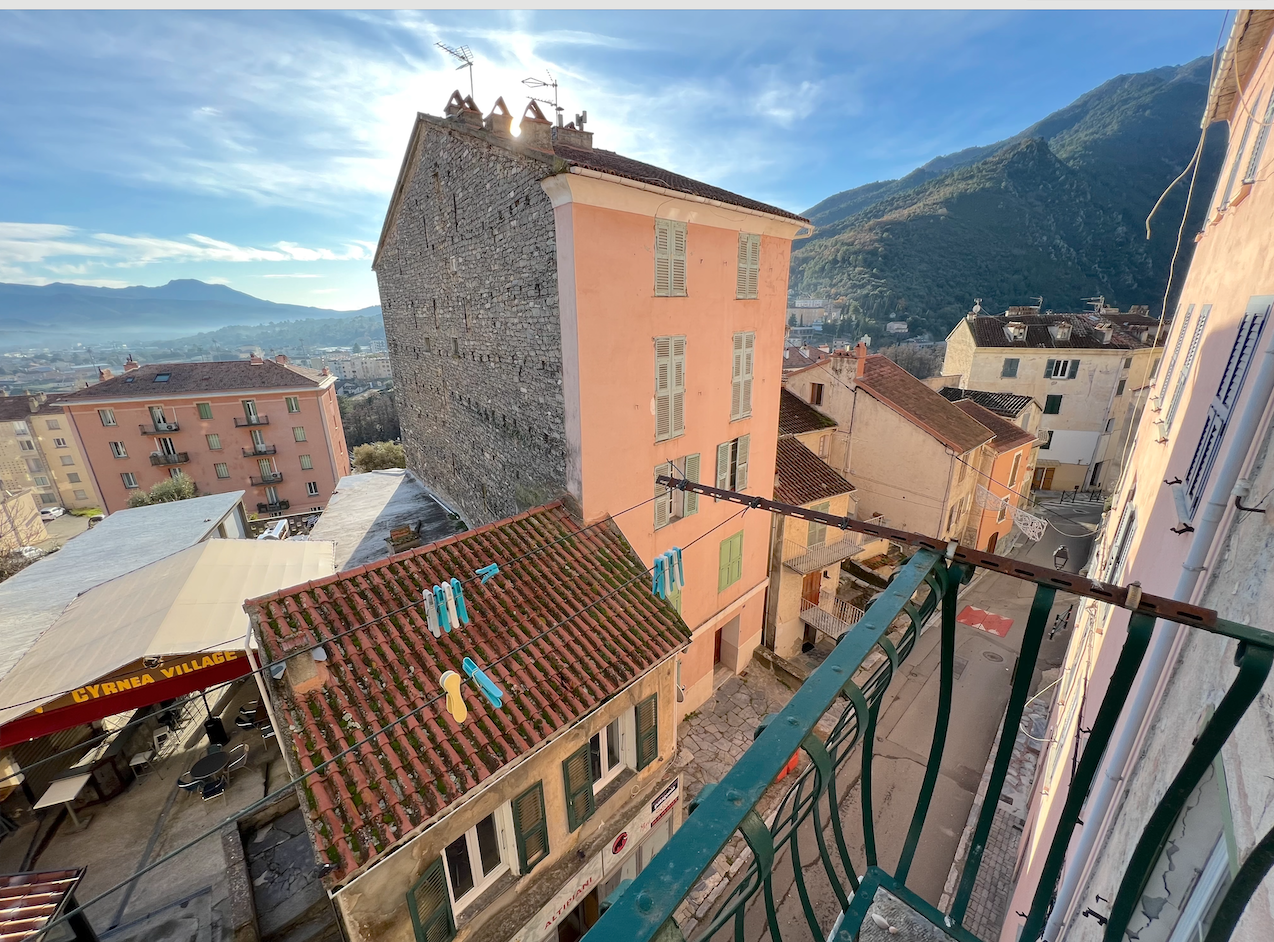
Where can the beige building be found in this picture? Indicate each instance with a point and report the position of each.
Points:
(20, 523)
(40, 449)
(1088, 372)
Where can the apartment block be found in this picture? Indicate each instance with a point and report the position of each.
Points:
(40, 450)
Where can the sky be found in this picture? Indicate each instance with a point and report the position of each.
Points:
(259, 149)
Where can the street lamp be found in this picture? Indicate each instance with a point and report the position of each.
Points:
(1061, 556)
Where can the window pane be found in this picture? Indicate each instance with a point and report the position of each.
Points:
(488, 845)
(458, 867)
(612, 745)
(595, 757)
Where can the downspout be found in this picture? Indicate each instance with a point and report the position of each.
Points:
(1115, 765)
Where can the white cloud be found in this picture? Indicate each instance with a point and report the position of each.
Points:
(291, 274)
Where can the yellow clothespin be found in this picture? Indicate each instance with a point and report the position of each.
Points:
(451, 683)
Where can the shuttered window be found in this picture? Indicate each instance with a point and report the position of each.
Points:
(1222, 405)
(670, 258)
(749, 272)
(663, 498)
(431, 907)
(1061, 369)
(647, 731)
(530, 826)
(741, 375)
(578, 781)
(1258, 149)
(670, 387)
(1172, 361)
(672, 504)
(730, 566)
(732, 464)
(690, 501)
(1195, 339)
(205, 409)
(1238, 160)
(817, 533)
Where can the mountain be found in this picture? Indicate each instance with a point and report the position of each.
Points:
(1056, 211)
(65, 314)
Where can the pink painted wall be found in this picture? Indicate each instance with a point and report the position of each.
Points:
(1000, 470)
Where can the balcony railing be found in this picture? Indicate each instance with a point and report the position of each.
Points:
(267, 508)
(265, 479)
(806, 559)
(259, 450)
(248, 421)
(848, 688)
(830, 615)
(160, 428)
(167, 458)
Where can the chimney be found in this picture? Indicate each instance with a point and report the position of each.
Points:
(463, 111)
(535, 130)
(130, 364)
(574, 135)
(500, 120)
(281, 359)
(104, 374)
(33, 402)
(1105, 330)
(326, 371)
(255, 360)
(860, 353)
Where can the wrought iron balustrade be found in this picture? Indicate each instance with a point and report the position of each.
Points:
(266, 479)
(250, 420)
(159, 428)
(169, 457)
(259, 450)
(848, 688)
(265, 507)
(830, 615)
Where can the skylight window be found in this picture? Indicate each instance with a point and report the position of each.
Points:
(162, 377)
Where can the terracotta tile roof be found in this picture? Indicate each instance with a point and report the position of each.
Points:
(17, 408)
(374, 798)
(804, 477)
(29, 901)
(797, 358)
(1007, 435)
(607, 161)
(186, 378)
(988, 331)
(797, 416)
(890, 383)
(1008, 405)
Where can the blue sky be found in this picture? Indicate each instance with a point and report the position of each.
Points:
(259, 149)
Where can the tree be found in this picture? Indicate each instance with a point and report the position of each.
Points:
(369, 418)
(356, 349)
(376, 456)
(181, 487)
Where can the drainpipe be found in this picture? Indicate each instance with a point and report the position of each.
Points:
(1114, 767)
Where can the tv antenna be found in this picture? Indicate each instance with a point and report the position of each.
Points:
(1039, 303)
(1098, 303)
(465, 55)
(551, 83)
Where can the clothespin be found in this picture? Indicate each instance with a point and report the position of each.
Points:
(674, 556)
(452, 683)
(656, 577)
(431, 614)
(458, 591)
(487, 572)
(441, 601)
(450, 596)
(485, 683)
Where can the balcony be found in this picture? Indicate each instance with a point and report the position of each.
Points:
(167, 458)
(265, 479)
(160, 428)
(840, 545)
(258, 451)
(813, 844)
(277, 507)
(249, 421)
(830, 615)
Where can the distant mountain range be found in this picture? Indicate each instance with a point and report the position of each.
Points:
(64, 314)
(1058, 210)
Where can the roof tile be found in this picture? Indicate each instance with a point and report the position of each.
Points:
(215, 376)
(1007, 435)
(988, 331)
(803, 477)
(886, 380)
(1009, 405)
(797, 416)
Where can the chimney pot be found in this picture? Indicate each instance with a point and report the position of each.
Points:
(104, 374)
(534, 129)
(500, 120)
(860, 353)
(281, 359)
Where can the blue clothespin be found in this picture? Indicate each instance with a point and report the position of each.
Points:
(487, 572)
(458, 591)
(656, 577)
(675, 554)
(485, 684)
(441, 601)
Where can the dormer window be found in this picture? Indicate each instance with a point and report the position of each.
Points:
(162, 377)
(1061, 331)
(1015, 331)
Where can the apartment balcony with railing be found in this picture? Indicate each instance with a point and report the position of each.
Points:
(837, 545)
(250, 421)
(160, 428)
(272, 507)
(830, 615)
(258, 450)
(169, 458)
(267, 479)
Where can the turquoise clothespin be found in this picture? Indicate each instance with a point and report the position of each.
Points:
(458, 591)
(488, 572)
(656, 577)
(485, 684)
(441, 601)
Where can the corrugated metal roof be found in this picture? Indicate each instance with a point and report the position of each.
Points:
(1009, 405)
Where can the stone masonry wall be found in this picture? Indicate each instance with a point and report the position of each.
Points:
(468, 286)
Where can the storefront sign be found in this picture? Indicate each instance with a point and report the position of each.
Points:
(659, 808)
(567, 898)
(140, 676)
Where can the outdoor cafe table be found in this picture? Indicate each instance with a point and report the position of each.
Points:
(210, 766)
(64, 791)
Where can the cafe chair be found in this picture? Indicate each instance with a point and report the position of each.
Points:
(247, 717)
(238, 757)
(215, 788)
(159, 738)
(186, 783)
(143, 764)
(213, 748)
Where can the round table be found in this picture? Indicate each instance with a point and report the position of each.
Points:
(209, 766)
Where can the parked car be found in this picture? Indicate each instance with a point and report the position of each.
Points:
(31, 552)
(51, 513)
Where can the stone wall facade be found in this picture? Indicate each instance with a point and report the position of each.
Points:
(468, 286)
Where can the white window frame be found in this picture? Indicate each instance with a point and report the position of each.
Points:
(107, 417)
(503, 820)
(311, 489)
(130, 481)
(1060, 369)
(119, 449)
(624, 726)
(59, 443)
(25, 444)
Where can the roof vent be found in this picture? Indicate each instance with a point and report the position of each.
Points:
(255, 359)
(130, 364)
(1061, 331)
(1015, 331)
(1105, 330)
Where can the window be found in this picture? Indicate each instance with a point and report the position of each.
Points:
(1052, 405)
(749, 272)
(25, 444)
(81, 495)
(672, 504)
(21, 428)
(298, 432)
(1238, 156)
(107, 416)
(1258, 149)
(473, 860)
(205, 409)
(1127, 362)
(272, 494)
(741, 376)
(670, 387)
(730, 565)
(530, 827)
(68, 461)
(1008, 369)
(311, 488)
(816, 533)
(824, 445)
(59, 443)
(250, 409)
(175, 472)
(963, 467)
(73, 478)
(455, 346)
(222, 469)
(1191, 352)
(1176, 350)
(294, 403)
(732, 464)
(214, 441)
(307, 463)
(41, 481)
(48, 498)
(258, 440)
(162, 377)
(118, 450)
(1095, 478)
(128, 479)
(1013, 471)
(33, 465)
(670, 258)
(53, 424)
(816, 394)
(1061, 369)
(1110, 424)
(647, 723)
(1119, 390)
(604, 761)
(430, 906)
(1048, 440)
(1002, 512)
(578, 782)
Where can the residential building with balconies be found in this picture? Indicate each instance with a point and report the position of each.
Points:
(40, 450)
(260, 425)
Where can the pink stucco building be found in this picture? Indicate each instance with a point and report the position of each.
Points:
(260, 425)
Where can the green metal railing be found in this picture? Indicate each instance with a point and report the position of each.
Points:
(850, 685)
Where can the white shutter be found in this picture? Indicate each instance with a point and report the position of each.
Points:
(741, 464)
(690, 500)
(677, 389)
(749, 342)
(723, 465)
(663, 388)
(677, 234)
(1176, 352)
(662, 495)
(663, 259)
(1191, 351)
(754, 264)
(736, 379)
(741, 276)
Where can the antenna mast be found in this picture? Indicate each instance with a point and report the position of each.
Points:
(551, 83)
(465, 55)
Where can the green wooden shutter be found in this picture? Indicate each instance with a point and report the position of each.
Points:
(723, 565)
(531, 827)
(1048, 369)
(690, 500)
(663, 388)
(661, 497)
(1074, 369)
(736, 378)
(430, 906)
(578, 779)
(677, 388)
(663, 258)
(647, 731)
(723, 465)
(736, 558)
(741, 463)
